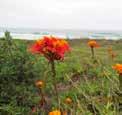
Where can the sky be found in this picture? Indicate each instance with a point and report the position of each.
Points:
(62, 14)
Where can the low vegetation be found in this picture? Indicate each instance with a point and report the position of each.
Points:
(84, 82)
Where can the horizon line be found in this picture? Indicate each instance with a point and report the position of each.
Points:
(75, 29)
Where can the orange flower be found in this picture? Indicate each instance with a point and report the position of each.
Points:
(113, 55)
(33, 109)
(68, 100)
(110, 49)
(64, 113)
(93, 44)
(39, 84)
(118, 68)
(51, 47)
(56, 112)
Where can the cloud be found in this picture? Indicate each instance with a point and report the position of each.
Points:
(63, 14)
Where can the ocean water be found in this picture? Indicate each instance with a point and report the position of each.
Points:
(33, 34)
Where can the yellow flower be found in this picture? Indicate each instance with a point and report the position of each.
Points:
(55, 112)
(68, 100)
(39, 84)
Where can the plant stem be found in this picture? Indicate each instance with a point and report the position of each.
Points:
(42, 96)
(92, 50)
(54, 82)
(120, 82)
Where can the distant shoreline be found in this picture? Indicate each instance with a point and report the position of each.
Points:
(73, 39)
(31, 34)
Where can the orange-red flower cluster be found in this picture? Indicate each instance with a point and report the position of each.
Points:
(51, 47)
(118, 68)
(56, 112)
(93, 44)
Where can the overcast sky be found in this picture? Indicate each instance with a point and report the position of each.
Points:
(62, 14)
